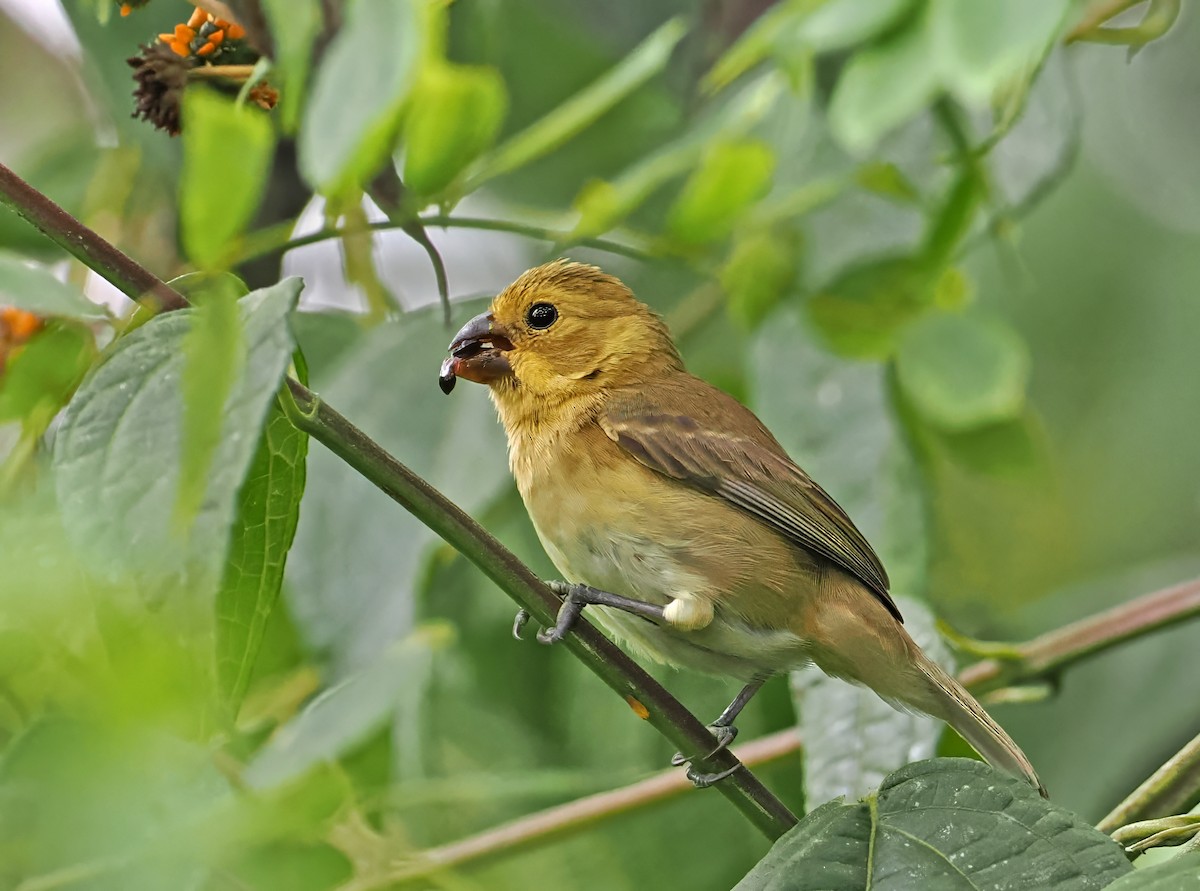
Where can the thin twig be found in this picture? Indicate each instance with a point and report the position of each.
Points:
(255, 248)
(1173, 788)
(327, 426)
(565, 819)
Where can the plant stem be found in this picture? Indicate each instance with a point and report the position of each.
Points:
(1173, 788)
(324, 424)
(596, 651)
(1096, 15)
(257, 248)
(129, 277)
(1050, 653)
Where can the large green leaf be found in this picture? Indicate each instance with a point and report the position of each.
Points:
(268, 510)
(945, 825)
(226, 158)
(117, 454)
(353, 569)
(353, 116)
(34, 289)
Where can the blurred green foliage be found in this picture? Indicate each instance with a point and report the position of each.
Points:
(949, 259)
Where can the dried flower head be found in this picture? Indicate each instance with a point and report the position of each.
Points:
(161, 75)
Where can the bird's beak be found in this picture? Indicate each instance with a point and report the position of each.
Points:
(477, 353)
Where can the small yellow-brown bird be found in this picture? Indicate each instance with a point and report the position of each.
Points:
(669, 506)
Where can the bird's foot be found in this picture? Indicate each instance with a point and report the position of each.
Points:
(724, 734)
(704, 780)
(575, 598)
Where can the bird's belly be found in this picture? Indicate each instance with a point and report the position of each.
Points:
(650, 571)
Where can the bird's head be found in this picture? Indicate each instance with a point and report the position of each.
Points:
(560, 330)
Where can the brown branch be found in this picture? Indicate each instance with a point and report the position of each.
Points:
(128, 276)
(327, 426)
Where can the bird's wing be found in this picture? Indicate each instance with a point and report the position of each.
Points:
(751, 476)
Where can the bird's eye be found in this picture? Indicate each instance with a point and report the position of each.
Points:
(541, 315)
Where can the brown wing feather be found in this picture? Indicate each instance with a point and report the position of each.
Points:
(718, 446)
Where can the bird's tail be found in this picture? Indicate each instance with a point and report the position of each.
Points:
(945, 698)
(853, 636)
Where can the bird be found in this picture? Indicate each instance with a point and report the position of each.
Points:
(677, 518)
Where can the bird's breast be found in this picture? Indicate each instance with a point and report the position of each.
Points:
(609, 522)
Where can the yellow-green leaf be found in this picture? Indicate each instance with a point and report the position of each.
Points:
(455, 113)
(731, 177)
(227, 153)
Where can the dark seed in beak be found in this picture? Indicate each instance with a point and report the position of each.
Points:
(447, 378)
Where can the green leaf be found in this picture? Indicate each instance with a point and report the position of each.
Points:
(344, 715)
(841, 24)
(860, 312)
(294, 25)
(455, 115)
(39, 377)
(294, 865)
(730, 178)
(961, 371)
(1180, 873)
(353, 115)
(34, 289)
(981, 46)
(580, 111)
(117, 455)
(227, 153)
(762, 268)
(882, 86)
(268, 511)
(213, 359)
(942, 825)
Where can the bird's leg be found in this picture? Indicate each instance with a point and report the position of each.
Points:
(576, 597)
(723, 730)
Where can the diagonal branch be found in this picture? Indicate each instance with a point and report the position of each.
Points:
(644, 694)
(131, 278)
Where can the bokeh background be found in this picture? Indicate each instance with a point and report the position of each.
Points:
(1075, 487)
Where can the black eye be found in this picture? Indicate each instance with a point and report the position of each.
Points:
(541, 315)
